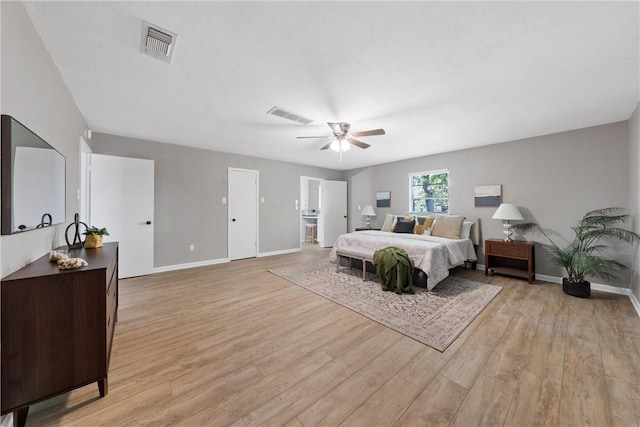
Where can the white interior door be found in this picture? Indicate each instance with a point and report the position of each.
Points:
(122, 201)
(333, 211)
(243, 213)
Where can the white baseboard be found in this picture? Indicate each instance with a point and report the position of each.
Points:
(285, 251)
(594, 286)
(166, 268)
(174, 267)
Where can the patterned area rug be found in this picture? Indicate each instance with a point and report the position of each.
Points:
(434, 318)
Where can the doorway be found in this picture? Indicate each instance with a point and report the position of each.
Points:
(310, 210)
(243, 213)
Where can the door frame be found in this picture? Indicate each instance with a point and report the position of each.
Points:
(84, 190)
(257, 213)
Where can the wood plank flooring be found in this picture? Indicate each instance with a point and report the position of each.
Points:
(232, 344)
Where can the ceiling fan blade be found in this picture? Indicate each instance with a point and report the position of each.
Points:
(358, 143)
(327, 146)
(369, 132)
(305, 137)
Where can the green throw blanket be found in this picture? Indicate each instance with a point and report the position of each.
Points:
(395, 270)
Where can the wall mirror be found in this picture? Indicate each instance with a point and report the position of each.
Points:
(33, 180)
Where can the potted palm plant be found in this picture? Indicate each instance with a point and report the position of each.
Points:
(94, 236)
(584, 256)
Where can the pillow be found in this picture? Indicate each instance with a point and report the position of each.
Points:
(428, 222)
(447, 226)
(400, 219)
(465, 230)
(404, 227)
(418, 229)
(388, 223)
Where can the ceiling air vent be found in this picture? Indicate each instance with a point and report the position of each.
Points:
(281, 112)
(158, 42)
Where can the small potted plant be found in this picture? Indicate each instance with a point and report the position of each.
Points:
(584, 256)
(94, 236)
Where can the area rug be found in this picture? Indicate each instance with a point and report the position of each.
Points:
(434, 318)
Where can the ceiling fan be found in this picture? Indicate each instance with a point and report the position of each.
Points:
(342, 139)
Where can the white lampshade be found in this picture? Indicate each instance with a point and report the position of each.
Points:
(507, 211)
(368, 211)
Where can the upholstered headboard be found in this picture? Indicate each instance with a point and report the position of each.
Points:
(475, 230)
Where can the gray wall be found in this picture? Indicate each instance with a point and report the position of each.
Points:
(34, 93)
(634, 191)
(189, 186)
(553, 179)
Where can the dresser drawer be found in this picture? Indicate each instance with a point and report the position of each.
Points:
(507, 249)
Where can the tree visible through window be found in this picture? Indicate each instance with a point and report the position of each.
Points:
(429, 191)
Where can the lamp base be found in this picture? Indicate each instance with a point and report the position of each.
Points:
(508, 232)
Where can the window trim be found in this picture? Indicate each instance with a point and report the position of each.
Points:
(428, 172)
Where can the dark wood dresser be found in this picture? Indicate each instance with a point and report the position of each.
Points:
(57, 328)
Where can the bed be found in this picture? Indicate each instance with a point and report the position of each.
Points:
(432, 256)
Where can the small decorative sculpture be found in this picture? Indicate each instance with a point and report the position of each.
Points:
(71, 263)
(77, 240)
(44, 222)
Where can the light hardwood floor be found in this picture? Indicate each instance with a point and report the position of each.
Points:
(232, 344)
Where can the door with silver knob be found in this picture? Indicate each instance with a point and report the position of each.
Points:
(243, 213)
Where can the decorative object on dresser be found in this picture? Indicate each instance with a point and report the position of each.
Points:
(507, 212)
(76, 242)
(94, 236)
(368, 212)
(488, 195)
(510, 258)
(434, 318)
(57, 328)
(586, 254)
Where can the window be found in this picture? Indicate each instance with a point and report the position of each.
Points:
(429, 191)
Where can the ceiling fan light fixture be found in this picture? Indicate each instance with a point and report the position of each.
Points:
(340, 145)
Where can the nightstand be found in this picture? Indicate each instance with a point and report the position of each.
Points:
(510, 258)
(365, 228)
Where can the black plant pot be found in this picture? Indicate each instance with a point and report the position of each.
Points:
(580, 290)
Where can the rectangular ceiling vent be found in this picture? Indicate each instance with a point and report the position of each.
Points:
(281, 112)
(158, 42)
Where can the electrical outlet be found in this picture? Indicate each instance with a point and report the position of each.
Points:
(192, 247)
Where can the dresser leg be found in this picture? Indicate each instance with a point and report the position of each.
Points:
(20, 417)
(103, 387)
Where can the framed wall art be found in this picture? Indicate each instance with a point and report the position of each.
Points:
(488, 195)
(383, 199)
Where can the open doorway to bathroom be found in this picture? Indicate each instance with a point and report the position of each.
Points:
(310, 211)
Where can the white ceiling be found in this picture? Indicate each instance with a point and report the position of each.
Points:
(437, 76)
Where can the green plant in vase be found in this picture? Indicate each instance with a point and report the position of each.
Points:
(584, 256)
(94, 236)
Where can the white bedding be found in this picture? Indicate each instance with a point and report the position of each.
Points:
(433, 255)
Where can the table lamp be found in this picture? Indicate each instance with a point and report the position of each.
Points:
(368, 212)
(507, 212)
